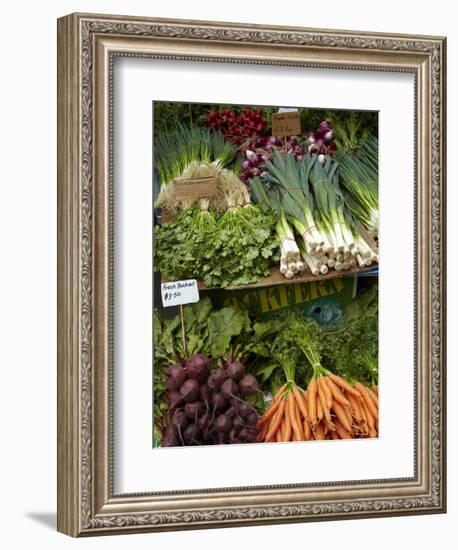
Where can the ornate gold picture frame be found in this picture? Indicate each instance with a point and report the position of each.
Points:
(87, 46)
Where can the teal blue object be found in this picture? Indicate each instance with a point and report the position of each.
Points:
(325, 311)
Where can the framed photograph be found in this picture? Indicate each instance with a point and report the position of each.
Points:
(251, 291)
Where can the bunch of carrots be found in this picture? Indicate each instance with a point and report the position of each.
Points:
(330, 408)
(286, 418)
(340, 410)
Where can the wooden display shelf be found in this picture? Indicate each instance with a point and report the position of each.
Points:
(277, 278)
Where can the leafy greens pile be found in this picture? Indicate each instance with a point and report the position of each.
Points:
(233, 248)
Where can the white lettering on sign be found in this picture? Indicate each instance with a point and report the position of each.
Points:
(179, 293)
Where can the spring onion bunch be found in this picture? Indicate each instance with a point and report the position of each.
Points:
(359, 177)
(344, 247)
(290, 256)
(309, 198)
(175, 151)
(291, 178)
(189, 153)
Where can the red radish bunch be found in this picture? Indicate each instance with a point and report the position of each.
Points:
(237, 127)
(209, 407)
(321, 142)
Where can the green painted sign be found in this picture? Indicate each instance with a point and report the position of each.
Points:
(323, 300)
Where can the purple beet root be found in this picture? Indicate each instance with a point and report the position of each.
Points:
(223, 424)
(245, 410)
(237, 422)
(252, 419)
(216, 379)
(194, 410)
(231, 411)
(197, 367)
(190, 390)
(203, 420)
(169, 441)
(174, 398)
(218, 401)
(190, 434)
(170, 430)
(205, 393)
(176, 377)
(179, 420)
(229, 388)
(233, 434)
(248, 385)
(235, 370)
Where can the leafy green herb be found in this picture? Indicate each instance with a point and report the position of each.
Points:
(236, 249)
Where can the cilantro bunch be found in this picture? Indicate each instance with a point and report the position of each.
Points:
(233, 248)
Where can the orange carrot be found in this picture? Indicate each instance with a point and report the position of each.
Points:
(373, 395)
(375, 390)
(281, 429)
(368, 415)
(327, 390)
(300, 401)
(344, 385)
(294, 414)
(342, 415)
(329, 426)
(326, 411)
(322, 400)
(366, 395)
(364, 426)
(319, 431)
(319, 408)
(262, 433)
(336, 392)
(343, 433)
(278, 435)
(288, 428)
(299, 420)
(356, 409)
(307, 430)
(311, 397)
(276, 420)
(269, 412)
(334, 435)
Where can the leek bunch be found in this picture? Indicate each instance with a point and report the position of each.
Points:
(307, 196)
(290, 255)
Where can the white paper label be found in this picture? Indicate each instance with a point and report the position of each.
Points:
(179, 293)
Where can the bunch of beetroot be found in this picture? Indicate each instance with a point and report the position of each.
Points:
(237, 127)
(321, 142)
(208, 406)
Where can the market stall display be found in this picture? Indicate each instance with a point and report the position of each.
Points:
(245, 209)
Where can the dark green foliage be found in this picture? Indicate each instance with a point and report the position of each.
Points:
(351, 348)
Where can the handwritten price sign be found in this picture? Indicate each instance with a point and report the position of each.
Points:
(286, 124)
(179, 293)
